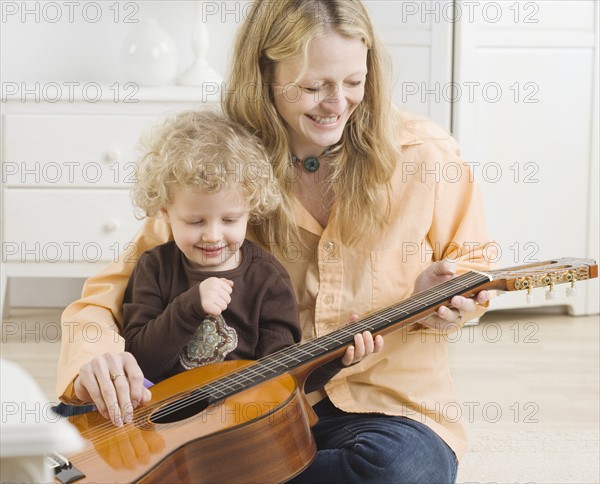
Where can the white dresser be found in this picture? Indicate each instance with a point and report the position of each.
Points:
(68, 162)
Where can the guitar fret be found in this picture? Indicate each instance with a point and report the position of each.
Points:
(305, 351)
(293, 356)
(394, 317)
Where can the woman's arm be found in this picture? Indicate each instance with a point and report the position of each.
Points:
(458, 233)
(92, 348)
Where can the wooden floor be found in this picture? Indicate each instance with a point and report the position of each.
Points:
(515, 370)
(31, 338)
(528, 371)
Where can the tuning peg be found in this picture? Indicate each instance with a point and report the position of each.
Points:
(572, 291)
(550, 296)
(529, 296)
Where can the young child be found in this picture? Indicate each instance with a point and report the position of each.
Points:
(209, 294)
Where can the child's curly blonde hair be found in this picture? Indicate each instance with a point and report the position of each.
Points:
(204, 149)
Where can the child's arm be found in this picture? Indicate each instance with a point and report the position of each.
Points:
(156, 330)
(279, 322)
(364, 345)
(280, 327)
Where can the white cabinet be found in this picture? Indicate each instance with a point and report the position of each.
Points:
(527, 120)
(59, 148)
(67, 168)
(49, 226)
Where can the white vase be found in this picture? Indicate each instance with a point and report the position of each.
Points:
(149, 55)
(199, 72)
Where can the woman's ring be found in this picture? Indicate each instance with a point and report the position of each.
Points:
(114, 377)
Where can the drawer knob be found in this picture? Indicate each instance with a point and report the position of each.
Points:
(113, 155)
(111, 225)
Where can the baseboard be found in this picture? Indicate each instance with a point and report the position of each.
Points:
(43, 292)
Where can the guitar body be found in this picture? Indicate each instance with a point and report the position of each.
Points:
(261, 434)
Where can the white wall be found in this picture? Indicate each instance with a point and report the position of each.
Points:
(76, 48)
(532, 136)
(81, 41)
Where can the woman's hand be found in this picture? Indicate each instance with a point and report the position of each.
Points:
(114, 382)
(443, 271)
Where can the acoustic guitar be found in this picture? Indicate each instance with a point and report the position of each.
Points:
(249, 421)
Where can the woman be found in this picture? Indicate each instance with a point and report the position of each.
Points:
(367, 218)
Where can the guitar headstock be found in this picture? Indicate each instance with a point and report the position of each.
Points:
(544, 274)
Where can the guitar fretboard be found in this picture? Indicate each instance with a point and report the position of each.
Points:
(295, 356)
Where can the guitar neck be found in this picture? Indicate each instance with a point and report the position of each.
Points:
(328, 347)
(302, 358)
(299, 360)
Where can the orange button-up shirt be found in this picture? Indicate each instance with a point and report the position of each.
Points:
(436, 213)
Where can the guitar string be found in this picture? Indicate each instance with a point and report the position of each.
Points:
(337, 337)
(251, 368)
(380, 314)
(237, 380)
(223, 386)
(255, 369)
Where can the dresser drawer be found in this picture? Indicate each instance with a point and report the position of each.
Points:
(74, 225)
(71, 149)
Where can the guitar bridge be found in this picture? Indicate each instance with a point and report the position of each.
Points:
(63, 469)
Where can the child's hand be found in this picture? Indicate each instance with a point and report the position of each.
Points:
(364, 345)
(215, 295)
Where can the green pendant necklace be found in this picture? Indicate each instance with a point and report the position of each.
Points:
(311, 164)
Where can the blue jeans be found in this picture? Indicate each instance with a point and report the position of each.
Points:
(374, 448)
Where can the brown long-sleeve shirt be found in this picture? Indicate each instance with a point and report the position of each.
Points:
(167, 330)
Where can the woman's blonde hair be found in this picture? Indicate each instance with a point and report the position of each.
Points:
(364, 160)
(206, 150)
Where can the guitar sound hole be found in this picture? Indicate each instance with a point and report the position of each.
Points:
(181, 409)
